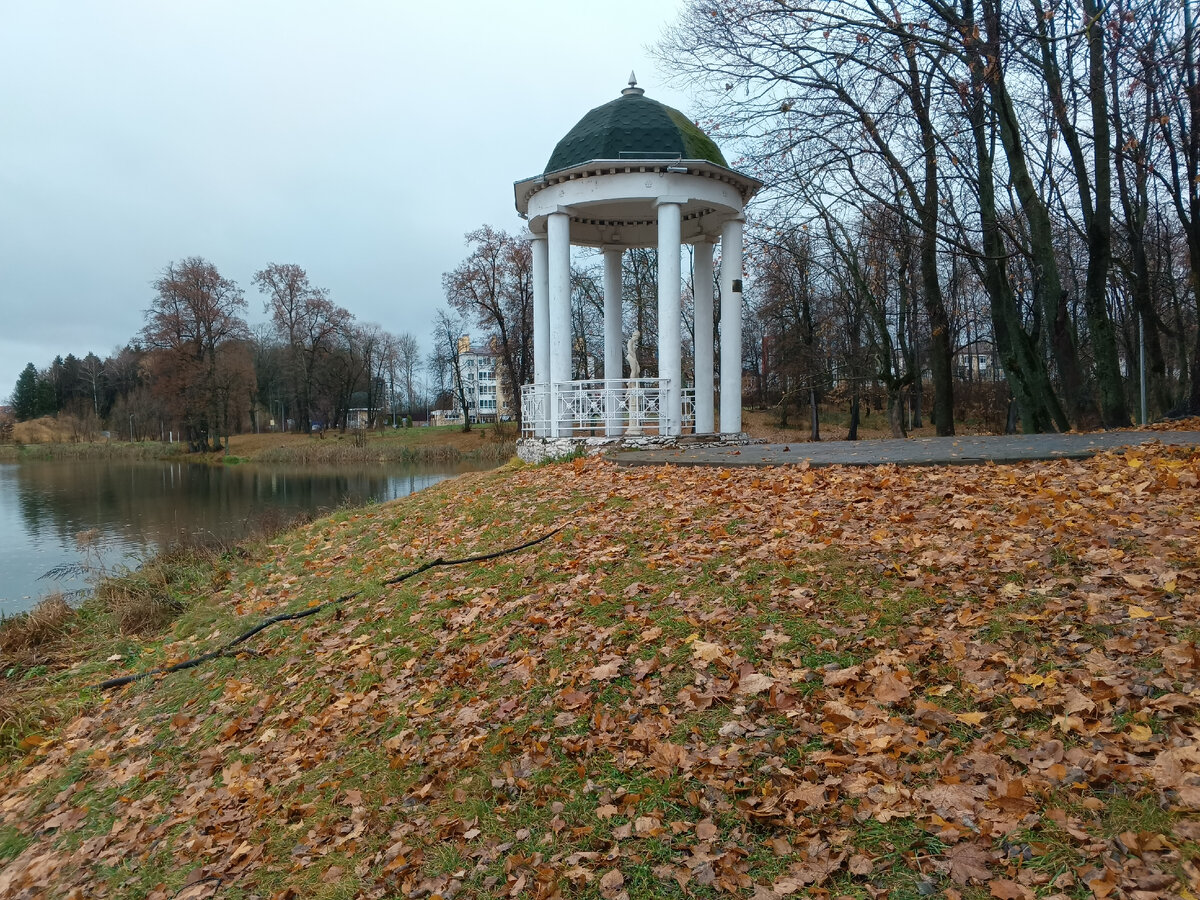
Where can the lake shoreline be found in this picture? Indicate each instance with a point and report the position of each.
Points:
(340, 450)
(61, 514)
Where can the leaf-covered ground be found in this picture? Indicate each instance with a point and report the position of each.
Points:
(960, 682)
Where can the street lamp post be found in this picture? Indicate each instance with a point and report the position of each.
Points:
(1142, 362)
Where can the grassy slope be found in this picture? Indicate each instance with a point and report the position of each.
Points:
(978, 680)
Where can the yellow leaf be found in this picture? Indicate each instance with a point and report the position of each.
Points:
(1033, 680)
(1140, 733)
(971, 718)
(1136, 612)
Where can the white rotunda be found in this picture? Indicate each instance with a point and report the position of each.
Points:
(635, 173)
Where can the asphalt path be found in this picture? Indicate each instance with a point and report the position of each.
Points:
(926, 451)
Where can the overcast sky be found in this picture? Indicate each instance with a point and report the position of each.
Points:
(360, 139)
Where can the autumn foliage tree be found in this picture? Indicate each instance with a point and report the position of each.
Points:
(201, 359)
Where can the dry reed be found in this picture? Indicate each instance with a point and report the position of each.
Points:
(31, 638)
(340, 452)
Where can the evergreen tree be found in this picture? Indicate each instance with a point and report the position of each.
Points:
(25, 394)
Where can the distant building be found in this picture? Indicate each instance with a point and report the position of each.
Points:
(360, 417)
(445, 417)
(359, 414)
(977, 363)
(487, 397)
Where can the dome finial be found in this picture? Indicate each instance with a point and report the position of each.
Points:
(633, 89)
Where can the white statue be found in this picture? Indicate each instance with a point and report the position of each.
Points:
(635, 426)
(631, 352)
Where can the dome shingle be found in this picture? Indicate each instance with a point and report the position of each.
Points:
(633, 127)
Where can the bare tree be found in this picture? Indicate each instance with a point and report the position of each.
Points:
(408, 361)
(91, 373)
(1175, 58)
(785, 276)
(446, 361)
(309, 324)
(840, 88)
(494, 286)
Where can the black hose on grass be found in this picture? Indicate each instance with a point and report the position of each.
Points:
(313, 610)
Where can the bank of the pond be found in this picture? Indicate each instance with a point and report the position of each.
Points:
(91, 450)
(40, 650)
(484, 443)
(967, 682)
(64, 521)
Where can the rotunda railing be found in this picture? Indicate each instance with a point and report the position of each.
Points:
(600, 408)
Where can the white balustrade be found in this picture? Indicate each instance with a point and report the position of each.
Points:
(598, 408)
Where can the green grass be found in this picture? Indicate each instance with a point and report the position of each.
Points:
(1132, 813)
(12, 842)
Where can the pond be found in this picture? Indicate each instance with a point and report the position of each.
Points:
(66, 516)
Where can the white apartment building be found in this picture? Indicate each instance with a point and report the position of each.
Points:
(487, 399)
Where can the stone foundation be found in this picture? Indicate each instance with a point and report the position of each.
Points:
(536, 450)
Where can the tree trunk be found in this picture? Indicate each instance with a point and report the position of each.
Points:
(1020, 356)
(1114, 412)
(896, 411)
(940, 352)
(918, 399)
(1048, 284)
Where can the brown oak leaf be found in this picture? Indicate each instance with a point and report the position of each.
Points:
(966, 863)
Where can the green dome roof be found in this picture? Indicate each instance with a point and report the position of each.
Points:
(633, 127)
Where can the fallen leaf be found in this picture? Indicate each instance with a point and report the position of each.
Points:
(611, 883)
(1140, 733)
(755, 683)
(605, 671)
(966, 863)
(1003, 889)
(706, 651)
(890, 689)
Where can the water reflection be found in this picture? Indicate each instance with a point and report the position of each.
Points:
(136, 507)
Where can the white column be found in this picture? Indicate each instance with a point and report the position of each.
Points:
(731, 327)
(541, 325)
(612, 337)
(702, 289)
(670, 365)
(558, 252)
